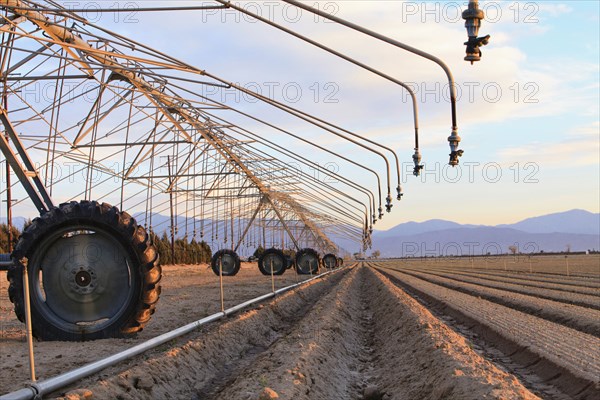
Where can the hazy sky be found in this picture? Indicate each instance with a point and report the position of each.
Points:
(527, 113)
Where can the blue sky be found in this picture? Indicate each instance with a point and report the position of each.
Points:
(532, 149)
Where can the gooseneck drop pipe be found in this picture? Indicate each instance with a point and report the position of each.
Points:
(228, 4)
(454, 139)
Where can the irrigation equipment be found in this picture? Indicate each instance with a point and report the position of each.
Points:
(123, 117)
(91, 118)
(330, 261)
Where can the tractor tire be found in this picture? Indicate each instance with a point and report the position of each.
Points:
(307, 262)
(272, 260)
(330, 261)
(93, 273)
(227, 260)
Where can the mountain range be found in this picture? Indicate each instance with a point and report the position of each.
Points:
(575, 230)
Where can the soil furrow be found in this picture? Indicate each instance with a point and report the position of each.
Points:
(375, 342)
(300, 365)
(580, 318)
(566, 297)
(535, 277)
(526, 282)
(559, 356)
(202, 362)
(364, 340)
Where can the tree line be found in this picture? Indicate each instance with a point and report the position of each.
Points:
(4, 237)
(186, 252)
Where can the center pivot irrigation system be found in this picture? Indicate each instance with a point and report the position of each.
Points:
(132, 121)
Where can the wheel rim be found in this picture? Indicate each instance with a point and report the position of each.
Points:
(307, 263)
(272, 263)
(81, 279)
(330, 262)
(227, 263)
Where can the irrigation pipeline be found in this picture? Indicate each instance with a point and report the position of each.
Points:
(237, 129)
(228, 4)
(149, 107)
(314, 121)
(41, 388)
(454, 139)
(216, 137)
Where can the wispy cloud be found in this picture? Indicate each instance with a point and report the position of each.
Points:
(579, 147)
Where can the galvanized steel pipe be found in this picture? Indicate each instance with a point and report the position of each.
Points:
(41, 388)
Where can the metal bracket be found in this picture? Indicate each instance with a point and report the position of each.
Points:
(26, 171)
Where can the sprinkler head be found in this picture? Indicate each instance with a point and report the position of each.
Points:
(380, 212)
(473, 16)
(455, 153)
(399, 191)
(389, 205)
(417, 161)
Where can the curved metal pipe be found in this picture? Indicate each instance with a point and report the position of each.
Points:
(319, 185)
(453, 139)
(302, 140)
(318, 188)
(257, 137)
(300, 115)
(248, 134)
(228, 4)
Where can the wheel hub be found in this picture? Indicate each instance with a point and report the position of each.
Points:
(273, 263)
(84, 280)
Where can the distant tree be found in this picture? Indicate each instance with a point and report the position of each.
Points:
(289, 253)
(258, 252)
(185, 252)
(4, 237)
(513, 249)
(568, 248)
(375, 254)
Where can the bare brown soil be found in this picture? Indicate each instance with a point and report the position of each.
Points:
(580, 318)
(189, 293)
(353, 334)
(585, 282)
(532, 282)
(567, 359)
(581, 266)
(568, 294)
(370, 337)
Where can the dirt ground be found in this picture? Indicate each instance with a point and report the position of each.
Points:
(582, 265)
(189, 293)
(543, 326)
(354, 334)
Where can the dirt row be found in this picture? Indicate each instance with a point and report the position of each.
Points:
(189, 293)
(580, 318)
(353, 335)
(525, 282)
(580, 266)
(583, 300)
(202, 363)
(537, 277)
(565, 358)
